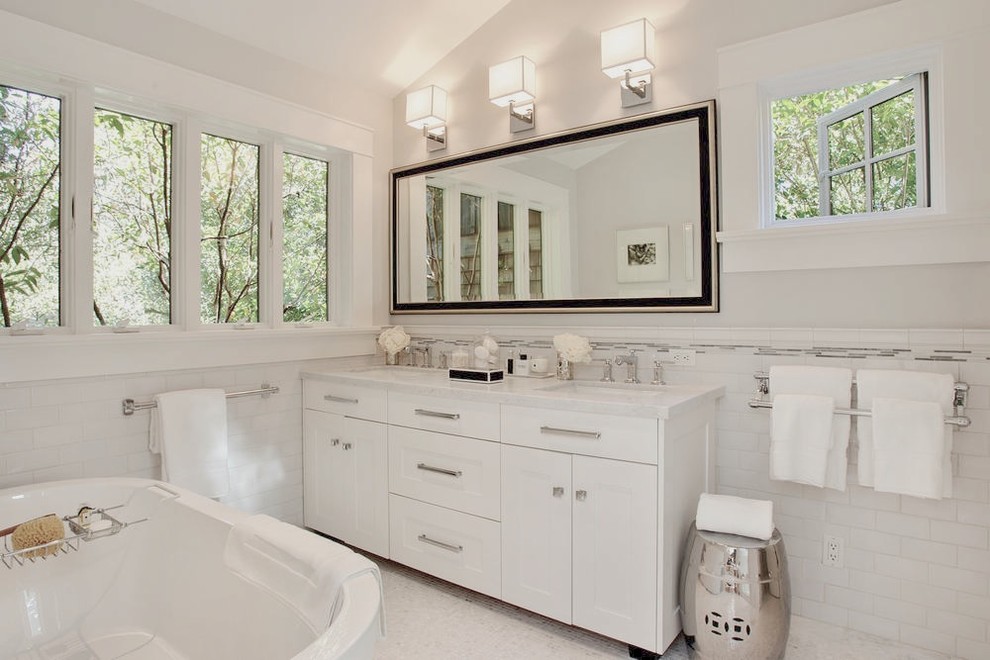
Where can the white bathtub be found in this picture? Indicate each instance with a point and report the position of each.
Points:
(160, 589)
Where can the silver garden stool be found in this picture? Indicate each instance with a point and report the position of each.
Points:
(735, 596)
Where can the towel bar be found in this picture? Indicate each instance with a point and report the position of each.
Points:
(959, 401)
(130, 406)
(960, 421)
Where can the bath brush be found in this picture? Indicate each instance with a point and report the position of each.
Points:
(38, 532)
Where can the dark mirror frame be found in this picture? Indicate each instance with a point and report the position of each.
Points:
(703, 112)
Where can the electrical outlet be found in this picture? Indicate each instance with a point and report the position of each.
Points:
(682, 356)
(832, 551)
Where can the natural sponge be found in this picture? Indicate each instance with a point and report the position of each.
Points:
(38, 532)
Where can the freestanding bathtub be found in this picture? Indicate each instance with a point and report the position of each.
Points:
(164, 588)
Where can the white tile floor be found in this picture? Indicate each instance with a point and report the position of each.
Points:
(429, 618)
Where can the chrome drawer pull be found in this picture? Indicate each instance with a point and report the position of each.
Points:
(338, 399)
(430, 468)
(434, 413)
(584, 434)
(558, 491)
(440, 544)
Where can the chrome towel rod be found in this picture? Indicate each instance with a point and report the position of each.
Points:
(131, 406)
(959, 401)
(961, 422)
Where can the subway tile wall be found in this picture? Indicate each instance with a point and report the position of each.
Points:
(73, 428)
(914, 570)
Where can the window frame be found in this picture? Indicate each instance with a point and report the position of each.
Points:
(78, 104)
(900, 64)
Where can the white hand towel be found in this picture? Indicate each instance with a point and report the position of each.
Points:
(908, 447)
(302, 569)
(908, 385)
(832, 382)
(189, 430)
(800, 438)
(735, 515)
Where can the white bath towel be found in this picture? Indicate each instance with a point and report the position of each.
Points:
(801, 437)
(908, 447)
(303, 570)
(735, 515)
(910, 386)
(798, 440)
(189, 430)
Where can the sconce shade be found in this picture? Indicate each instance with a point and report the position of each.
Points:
(628, 47)
(426, 107)
(513, 81)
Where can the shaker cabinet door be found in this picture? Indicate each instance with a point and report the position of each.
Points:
(615, 549)
(536, 531)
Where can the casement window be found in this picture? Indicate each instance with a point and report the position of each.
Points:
(30, 208)
(144, 229)
(305, 239)
(132, 220)
(229, 252)
(853, 152)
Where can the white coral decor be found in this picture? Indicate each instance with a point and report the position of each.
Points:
(572, 348)
(394, 339)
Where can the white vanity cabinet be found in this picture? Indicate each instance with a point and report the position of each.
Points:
(345, 478)
(571, 502)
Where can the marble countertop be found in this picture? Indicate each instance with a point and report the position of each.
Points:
(639, 400)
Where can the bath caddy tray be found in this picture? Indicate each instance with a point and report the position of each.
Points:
(87, 525)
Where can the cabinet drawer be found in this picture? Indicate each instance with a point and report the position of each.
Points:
(591, 434)
(345, 399)
(457, 473)
(471, 418)
(454, 546)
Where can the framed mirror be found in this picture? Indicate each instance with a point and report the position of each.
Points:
(614, 217)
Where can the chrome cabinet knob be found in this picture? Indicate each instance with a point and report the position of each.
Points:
(347, 446)
(580, 495)
(558, 491)
(334, 442)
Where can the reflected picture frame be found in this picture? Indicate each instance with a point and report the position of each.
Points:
(642, 255)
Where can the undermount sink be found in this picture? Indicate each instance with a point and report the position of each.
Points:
(600, 389)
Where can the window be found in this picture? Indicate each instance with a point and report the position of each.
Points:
(535, 254)
(229, 216)
(506, 251)
(854, 150)
(305, 192)
(434, 243)
(471, 236)
(132, 220)
(30, 147)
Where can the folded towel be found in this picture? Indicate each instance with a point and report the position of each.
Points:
(906, 385)
(909, 447)
(189, 430)
(303, 570)
(735, 515)
(832, 382)
(800, 438)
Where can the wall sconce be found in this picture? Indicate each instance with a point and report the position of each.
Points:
(426, 110)
(627, 52)
(512, 84)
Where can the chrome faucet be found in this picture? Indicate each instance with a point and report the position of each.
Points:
(657, 373)
(630, 361)
(607, 372)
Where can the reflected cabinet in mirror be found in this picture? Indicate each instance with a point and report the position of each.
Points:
(611, 217)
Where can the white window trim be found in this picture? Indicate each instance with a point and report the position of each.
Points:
(905, 237)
